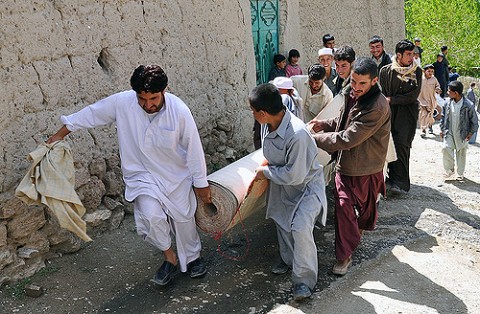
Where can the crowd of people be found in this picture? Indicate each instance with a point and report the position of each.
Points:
(378, 98)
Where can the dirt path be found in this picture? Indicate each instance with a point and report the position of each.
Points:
(112, 274)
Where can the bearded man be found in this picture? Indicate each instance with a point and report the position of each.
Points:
(401, 82)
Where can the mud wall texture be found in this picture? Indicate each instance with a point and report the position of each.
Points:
(58, 56)
(303, 23)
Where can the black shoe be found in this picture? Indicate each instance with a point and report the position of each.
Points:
(280, 269)
(196, 268)
(301, 291)
(430, 131)
(164, 274)
(394, 189)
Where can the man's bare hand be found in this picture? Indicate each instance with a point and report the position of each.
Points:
(59, 135)
(205, 194)
(314, 125)
(258, 175)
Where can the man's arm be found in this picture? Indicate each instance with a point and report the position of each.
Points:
(322, 125)
(383, 80)
(473, 122)
(354, 135)
(443, 119)
(59, 135)
(191, 143)
(102, 112)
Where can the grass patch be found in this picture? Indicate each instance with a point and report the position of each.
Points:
(17, 290)
(44, 272)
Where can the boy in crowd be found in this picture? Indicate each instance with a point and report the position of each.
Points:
(344, 58)
(379, 55)
(459, 123)
(325, 58)
(427, 99)
(279, 69)
(296, 195)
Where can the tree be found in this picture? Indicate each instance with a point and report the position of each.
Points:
(454, 23)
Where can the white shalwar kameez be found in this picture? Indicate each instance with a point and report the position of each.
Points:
(162, 157)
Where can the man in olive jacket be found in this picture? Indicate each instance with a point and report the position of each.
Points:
(401, 82)
(358, 139)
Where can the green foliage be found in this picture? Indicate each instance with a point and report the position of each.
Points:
(454, 23)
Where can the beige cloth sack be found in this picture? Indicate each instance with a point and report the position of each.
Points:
(50, 181)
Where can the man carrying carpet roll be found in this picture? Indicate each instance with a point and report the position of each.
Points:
(162, 164)
(296, 195)
(358, 141)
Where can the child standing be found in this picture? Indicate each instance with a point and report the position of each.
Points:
(459, 122)
(427, 99)
(293, 68)
(279, 69)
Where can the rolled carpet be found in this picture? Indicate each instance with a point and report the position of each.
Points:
(231, 203)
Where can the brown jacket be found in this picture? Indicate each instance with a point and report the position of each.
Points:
(361, 146)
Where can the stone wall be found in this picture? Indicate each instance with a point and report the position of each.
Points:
(58, 56)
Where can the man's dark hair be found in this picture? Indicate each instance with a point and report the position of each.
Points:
(428, 66)
(443, 48)
(345, 53)
(149, 79)
(364, 66)
(404, 45)
(326, 38)
(375, 39)
(456, 86)
(292, 54)
(278, 58)
(266, 97)
(316, 72)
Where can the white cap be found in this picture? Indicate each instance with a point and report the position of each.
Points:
(325, 51)
(283, 82)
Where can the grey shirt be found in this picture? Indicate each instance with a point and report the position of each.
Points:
(296, 177)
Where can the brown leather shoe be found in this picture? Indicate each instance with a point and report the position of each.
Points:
(341, 267)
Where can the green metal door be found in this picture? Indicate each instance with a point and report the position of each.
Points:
(265, 35)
